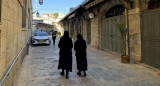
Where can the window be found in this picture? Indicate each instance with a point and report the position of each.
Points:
(24, 14)
(132, 5)
(115, 11)
(153, 4)
(0, 9)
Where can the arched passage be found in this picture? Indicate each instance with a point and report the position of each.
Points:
(110, 35)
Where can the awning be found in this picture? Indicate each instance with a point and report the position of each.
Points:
(71, 16)
(93, 3)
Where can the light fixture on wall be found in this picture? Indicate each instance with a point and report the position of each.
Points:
(37, 14)
(91, 15)
(40, 2)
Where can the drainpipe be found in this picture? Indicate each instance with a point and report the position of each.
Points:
(82, 28)
(128, 34)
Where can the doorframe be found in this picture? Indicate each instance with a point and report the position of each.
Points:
(102, 17)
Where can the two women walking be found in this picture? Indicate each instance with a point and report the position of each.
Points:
(65, 59)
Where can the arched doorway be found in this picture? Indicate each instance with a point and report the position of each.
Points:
(150, 34)
(111, 37)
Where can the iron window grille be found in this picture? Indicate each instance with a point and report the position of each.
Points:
(153, 4)
(115, 11)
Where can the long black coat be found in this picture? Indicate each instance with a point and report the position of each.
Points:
(81, 58)
(65, 60)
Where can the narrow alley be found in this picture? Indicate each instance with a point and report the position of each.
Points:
(39, 68)
(122, 37)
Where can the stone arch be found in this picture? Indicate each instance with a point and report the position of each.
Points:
(108, 5)
(101, 14)
(110, 38)
(104, 10)
(115, 11)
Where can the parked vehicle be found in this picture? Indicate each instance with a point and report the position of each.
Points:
(40, 38)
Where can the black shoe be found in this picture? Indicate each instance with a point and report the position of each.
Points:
(79, 73)
(62, 73)
(85, 73)
(67, 76)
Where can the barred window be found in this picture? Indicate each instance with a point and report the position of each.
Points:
(115, 11)
(24, 14)
(153, 4)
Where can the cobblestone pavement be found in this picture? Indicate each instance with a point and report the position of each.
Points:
(39, 68)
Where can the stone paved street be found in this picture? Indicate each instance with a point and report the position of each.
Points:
(40, 69)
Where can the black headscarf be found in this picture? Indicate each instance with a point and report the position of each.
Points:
(79, 36)
(66, 34)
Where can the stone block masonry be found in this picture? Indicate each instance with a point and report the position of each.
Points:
(12, 37)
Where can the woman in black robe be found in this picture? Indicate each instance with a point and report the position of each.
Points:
(81, 58)
(65, 60)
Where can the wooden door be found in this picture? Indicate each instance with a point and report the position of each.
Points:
(111, 37)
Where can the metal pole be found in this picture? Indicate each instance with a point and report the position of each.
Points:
(36, 6)
(127, 28)
(7, 73)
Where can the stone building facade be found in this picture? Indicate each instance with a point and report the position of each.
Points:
(141, 18)
(47, 19)
(15, 27)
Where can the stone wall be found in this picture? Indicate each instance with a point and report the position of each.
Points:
(135, 35)
(94, 32)
(134, 20)
(12, 37)
(85, 30)
(134, 8)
